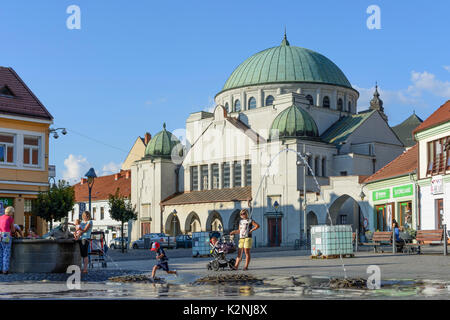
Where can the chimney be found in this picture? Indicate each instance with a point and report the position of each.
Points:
(83, 180)
(147, 138)
(127, 174)
(117, 176)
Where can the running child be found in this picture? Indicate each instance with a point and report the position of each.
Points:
(162, 259)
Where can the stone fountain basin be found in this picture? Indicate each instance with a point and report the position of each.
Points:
(44, 255)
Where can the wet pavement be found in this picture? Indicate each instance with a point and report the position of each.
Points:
(273, 275)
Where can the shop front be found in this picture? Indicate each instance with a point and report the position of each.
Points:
(394, 203)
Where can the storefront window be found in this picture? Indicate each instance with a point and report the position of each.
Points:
(405, 215)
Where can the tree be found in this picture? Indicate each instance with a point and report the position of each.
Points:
(55, 203)
(120, 209)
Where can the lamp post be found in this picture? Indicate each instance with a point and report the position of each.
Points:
(174, 212)
(276, 205)
(90, 175)
(305, 156)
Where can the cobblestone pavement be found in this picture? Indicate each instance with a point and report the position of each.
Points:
(94, 275)
(278, 269)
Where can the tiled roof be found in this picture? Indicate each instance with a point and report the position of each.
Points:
(438, 117)
(23, 102)
(207, 196)
(104, 186)
(404, 130)
(344, 127)
(402, 165)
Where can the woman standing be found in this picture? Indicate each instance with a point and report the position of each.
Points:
(6, 227)
(246, 227)
(85, 232)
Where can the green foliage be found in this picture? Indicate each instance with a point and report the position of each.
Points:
(55, 203)
(119, 209)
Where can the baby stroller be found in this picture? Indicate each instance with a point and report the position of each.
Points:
(219, 251)
(97, 249)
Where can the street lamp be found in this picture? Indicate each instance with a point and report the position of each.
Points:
(174, 212)
(90, 175)
(55, 132)
(305, 156)
(276, 205)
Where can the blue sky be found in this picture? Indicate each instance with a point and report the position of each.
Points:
(134, 65)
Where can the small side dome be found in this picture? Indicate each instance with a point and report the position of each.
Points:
(162, 144)
(294, 122)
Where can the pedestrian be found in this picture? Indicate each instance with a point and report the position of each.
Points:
(85, 235)
(398, 241)
(162, 259)
(6, 227)
(246, 228)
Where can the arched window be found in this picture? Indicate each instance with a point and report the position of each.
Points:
(310, 99)
(349, 106)
(340, 104)
(227, 107)
(251, 103)
(237, 106)
(326, 102)
(269, 100)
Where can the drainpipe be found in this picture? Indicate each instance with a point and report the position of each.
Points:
(416, 196)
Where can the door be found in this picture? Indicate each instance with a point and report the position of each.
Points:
(274, 225)
(380, 217)
(145, 228)
(439, 213)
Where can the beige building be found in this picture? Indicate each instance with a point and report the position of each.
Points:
(24, 148)
(137, 151)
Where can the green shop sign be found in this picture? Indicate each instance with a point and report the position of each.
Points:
(381, 194)
(402, 191)
(4, 203)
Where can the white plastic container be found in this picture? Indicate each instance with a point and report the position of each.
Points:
(331, 240)
(200, 243)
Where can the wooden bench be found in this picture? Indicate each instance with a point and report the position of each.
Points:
(427, 237)
(380, 238)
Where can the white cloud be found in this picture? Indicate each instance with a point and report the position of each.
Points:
(427, 82)
(111, 168)
(421, 83)
(75, 168)
(447, 68)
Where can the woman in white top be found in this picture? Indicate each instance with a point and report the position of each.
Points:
(246, 227)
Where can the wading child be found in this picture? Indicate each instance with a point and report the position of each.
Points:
(162, 259)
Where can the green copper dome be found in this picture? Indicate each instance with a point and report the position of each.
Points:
(161, 144)
(294, 122)
(286, 63)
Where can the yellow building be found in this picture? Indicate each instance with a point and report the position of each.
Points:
(24, 148)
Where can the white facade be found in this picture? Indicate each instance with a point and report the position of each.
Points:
(230, 150)
(101, 222)
(434, 204)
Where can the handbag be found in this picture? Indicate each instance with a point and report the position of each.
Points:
(5, 237)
